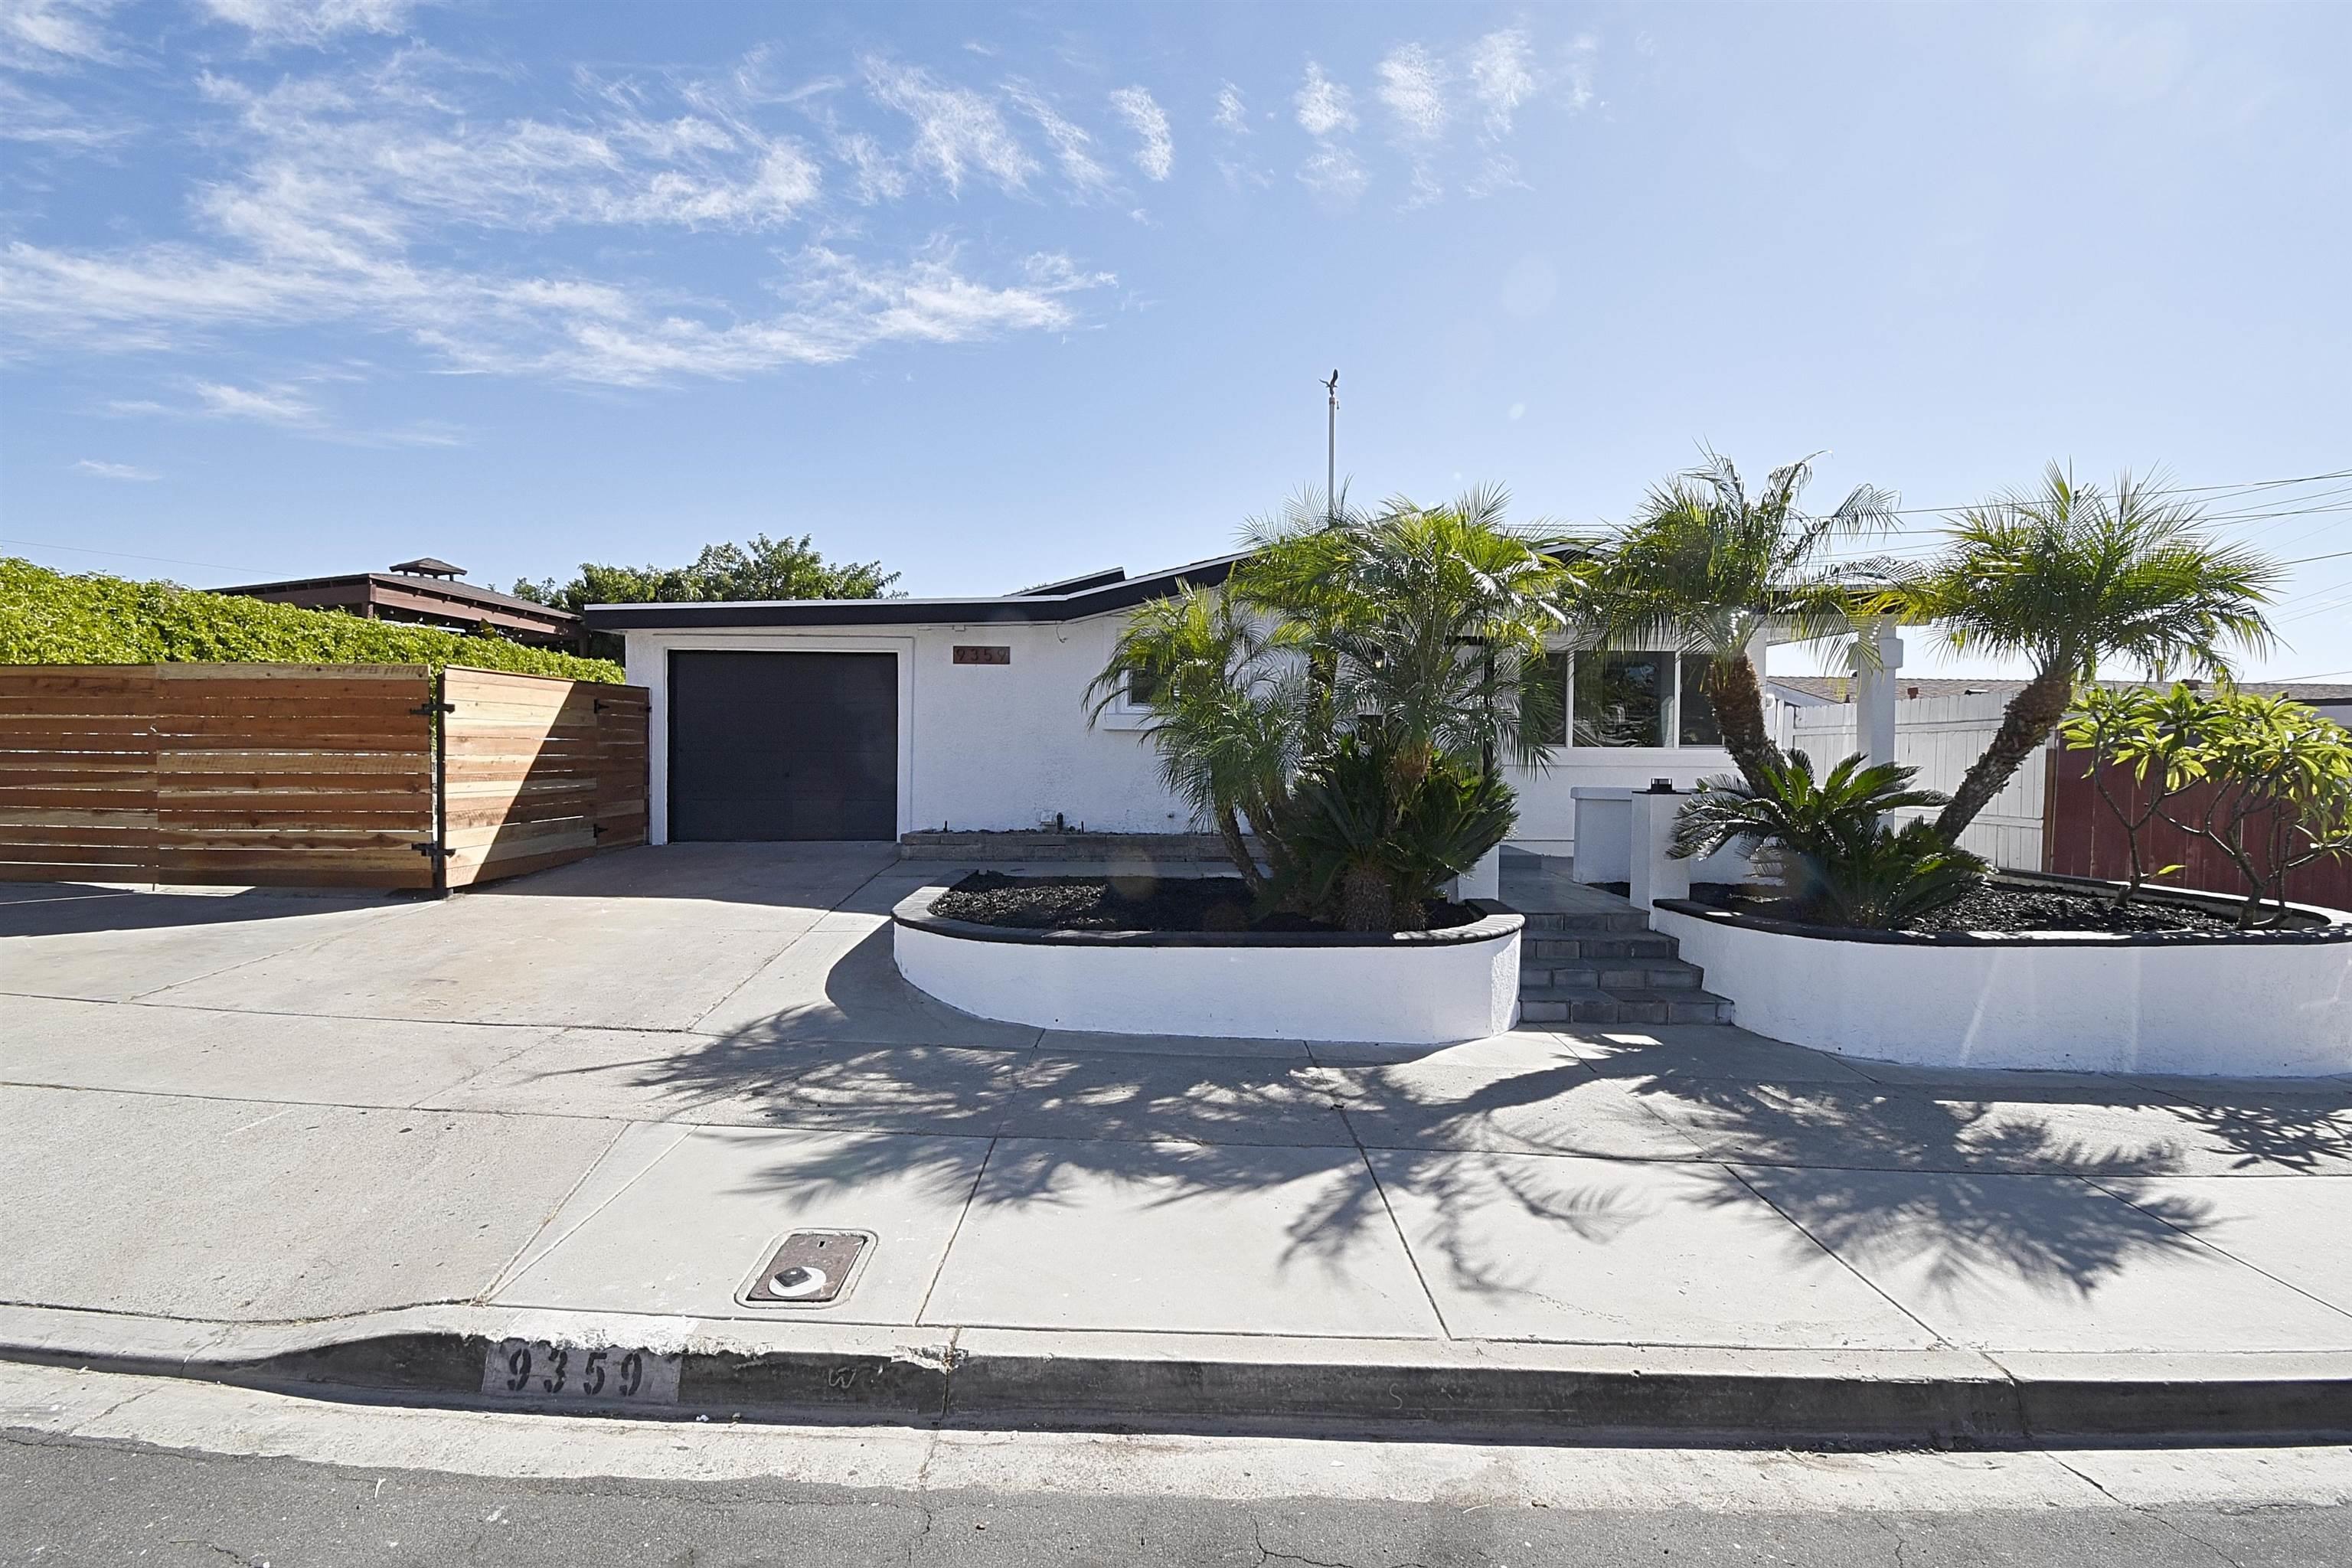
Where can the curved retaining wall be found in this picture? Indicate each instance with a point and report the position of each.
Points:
(1412, 989)
(2273, 1003)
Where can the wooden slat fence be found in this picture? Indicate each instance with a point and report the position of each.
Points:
(538, 772)
(2083, 839)
(328, 775)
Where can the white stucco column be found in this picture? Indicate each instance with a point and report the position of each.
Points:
(1656, 874)
(1874, 692)
(1484, 880)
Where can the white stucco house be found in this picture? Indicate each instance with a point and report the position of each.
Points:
(876, 717)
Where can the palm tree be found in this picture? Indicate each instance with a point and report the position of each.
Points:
(2070, 576)
(1228, 709)
(1707, 568)
(1429, 623)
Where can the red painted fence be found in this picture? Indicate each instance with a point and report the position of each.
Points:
(2081, 838)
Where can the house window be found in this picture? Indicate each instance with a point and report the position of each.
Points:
(1695, 721)
(1144, 688)
(1640, 698)
(1619, 699)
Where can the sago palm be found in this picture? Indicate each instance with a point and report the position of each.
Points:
(2069, 577)
(1704, 567)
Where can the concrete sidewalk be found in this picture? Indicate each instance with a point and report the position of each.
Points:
(364, 1136)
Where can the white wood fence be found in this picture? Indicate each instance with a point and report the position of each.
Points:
(1942, 737)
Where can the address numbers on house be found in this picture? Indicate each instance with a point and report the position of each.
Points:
(538, 1372)
(983, 653)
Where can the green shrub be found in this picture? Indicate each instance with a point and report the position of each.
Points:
(1379, 847)
(1854, 870)
(51, 617)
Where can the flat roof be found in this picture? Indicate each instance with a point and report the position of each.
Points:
(437, 587)
(1074, 599)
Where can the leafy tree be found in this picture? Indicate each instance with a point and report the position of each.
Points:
(763, 569)
(2154, 739)
(2280, 796)
(2069, 577)
(1707, 568)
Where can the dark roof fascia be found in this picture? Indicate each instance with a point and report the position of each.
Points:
(1010, 608)
(1073, 585)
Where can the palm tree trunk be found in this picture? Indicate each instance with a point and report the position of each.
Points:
(2025, 724)
(1731, 685)
(1229, 830)
(1367, 899)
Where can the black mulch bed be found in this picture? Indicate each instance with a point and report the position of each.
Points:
(2015, 907)
(1131, 903)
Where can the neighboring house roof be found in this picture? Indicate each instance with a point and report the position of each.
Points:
(1075, 598)
(407, 594)
(428, 566)
(1838, 688)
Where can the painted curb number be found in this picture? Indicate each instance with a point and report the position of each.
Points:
(538, 1372)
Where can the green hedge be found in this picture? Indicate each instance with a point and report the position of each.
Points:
(51, 618)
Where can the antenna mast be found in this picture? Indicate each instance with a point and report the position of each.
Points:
(1331, 456)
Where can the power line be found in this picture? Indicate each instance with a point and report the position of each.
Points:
(123, 555)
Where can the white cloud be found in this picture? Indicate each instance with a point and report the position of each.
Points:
(1519, 412)
(1501, 77)
(38, 119)
(1157, 156)
(1334, 172)
(1072, 145)
(54, 34)
(310, 22)
(273, 405)
(1412, 87)
(1325, 107)
(1326, 112)
(116, 471)
(1232, 116)
(955, 129)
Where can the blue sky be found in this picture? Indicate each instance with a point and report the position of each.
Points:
(1001, 294)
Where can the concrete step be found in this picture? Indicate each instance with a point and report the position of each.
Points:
(1566, 949)
(1631, 921)
(1567, 1006)
(1673, 974)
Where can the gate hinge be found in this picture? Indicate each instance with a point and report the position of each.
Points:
(432, 851)
(435, 708)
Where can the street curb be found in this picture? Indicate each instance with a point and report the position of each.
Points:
(983, 1377)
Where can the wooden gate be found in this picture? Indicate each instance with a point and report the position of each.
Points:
(536, 772)
(324, 775)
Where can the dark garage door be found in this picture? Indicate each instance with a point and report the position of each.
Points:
(784, 745)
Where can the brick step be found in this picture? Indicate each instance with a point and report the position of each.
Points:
(1630, 1007)
(1564, 949)
(1538, 978)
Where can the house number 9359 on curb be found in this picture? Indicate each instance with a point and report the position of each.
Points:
(537, 1372)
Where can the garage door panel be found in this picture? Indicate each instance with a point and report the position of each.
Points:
(784, 745)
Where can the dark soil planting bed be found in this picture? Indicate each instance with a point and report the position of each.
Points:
(2002, 905)
(1131, 903)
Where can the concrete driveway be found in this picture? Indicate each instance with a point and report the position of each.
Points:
(607, 1089)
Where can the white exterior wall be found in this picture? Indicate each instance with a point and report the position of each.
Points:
(998, 747)
(980, 746)
(1942, 737)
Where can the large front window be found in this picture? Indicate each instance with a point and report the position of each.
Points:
(1640, 698)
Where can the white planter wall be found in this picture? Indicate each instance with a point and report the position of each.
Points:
(2254, 1008)
(1404, 992)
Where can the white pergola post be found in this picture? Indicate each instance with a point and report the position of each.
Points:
(1874, 691)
